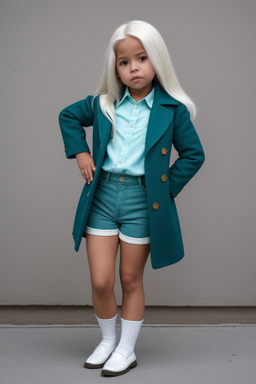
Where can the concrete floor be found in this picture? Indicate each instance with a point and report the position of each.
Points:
(177, 345)
(176, 354)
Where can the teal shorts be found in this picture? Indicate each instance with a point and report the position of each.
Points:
(120, 208)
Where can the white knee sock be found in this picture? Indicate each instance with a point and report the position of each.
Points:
(108, 331)
(129, 334)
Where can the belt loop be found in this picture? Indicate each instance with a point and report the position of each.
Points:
(140, 181)
(143, 182)
(108, 176)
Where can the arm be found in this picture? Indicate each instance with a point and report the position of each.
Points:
(190, 151)
(72, 120)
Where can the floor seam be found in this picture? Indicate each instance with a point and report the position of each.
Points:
(225, 325)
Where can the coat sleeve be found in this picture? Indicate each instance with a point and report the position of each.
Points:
(72, 119)
(190, 151)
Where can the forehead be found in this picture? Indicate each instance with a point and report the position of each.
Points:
(129, 46)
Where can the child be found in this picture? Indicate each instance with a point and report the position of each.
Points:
(137, 113)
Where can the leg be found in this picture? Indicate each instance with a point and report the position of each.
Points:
(132, 262)
(101, 252)
(133, 259)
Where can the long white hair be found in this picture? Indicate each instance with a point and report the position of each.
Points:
(156, 49)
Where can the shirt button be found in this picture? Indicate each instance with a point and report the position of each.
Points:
(155, 206)
(164, 178)
(130, 125)
(126, 144)
(120, 162)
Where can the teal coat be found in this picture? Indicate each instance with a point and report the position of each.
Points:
(169, 123)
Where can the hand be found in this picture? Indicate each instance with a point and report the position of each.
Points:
(86, 165)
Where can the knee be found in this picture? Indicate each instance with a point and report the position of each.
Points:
(130, 283)
(101, 286)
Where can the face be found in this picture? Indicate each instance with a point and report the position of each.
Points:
(134, 68)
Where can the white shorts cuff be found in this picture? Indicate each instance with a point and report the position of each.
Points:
(101, 232)
(134, 240)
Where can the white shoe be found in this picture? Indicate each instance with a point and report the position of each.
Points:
(118, 364)
(99, 357)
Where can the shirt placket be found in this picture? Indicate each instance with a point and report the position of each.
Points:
(128, 136)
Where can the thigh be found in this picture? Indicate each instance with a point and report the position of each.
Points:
(101, 253)
(133, 258)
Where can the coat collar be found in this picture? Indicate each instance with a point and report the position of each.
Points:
(162, 97)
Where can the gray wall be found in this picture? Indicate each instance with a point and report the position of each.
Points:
(51, 56)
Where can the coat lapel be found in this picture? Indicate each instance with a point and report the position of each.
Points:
(160, 116)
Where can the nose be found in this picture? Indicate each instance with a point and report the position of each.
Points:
(133, 67)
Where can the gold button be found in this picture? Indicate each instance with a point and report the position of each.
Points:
(121, 179)
(163, 151)
(164, 178)
(155, 206)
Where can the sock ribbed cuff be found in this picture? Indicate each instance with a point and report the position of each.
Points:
(131, 322)
(105, 320)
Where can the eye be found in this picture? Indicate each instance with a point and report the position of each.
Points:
(142, 59)
(123, 63)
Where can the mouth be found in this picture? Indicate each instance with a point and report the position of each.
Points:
(136, 78)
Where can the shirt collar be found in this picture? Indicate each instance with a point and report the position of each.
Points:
(149, 99)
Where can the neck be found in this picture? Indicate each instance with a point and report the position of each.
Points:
(139, 94)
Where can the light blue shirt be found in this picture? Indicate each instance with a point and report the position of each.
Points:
(127, 153)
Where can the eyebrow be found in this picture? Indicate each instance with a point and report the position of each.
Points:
(137, 54)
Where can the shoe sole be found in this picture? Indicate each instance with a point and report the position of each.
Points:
(93, 366)
(111, 373)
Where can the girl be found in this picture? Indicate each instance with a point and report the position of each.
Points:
(137, 113)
